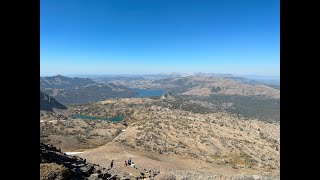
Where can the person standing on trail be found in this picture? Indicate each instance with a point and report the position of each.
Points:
(129, 161)
(125, 163)
(111, 165)
(132, 165)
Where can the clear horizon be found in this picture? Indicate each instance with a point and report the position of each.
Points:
(150, 37)
(250, 76)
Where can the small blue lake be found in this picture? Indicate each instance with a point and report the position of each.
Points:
(113, 119)
(149, 92)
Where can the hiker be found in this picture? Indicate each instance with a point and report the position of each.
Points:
(132, 164)
(129, 161)
(111, 165)
(125, 163)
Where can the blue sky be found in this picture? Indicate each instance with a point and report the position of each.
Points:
(159, 36)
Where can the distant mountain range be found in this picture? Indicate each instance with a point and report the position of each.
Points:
(267, 80)
(81, 90)
(214, 74)
(86, 90)
(129, 77)
(63, 82)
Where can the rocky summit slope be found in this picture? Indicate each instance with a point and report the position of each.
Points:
(55, 164)
(197, 141)
(177, 141)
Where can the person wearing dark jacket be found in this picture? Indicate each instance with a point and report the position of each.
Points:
(111, 165)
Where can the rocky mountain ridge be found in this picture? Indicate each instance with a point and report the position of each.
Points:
(48, 103)
(81, 90)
